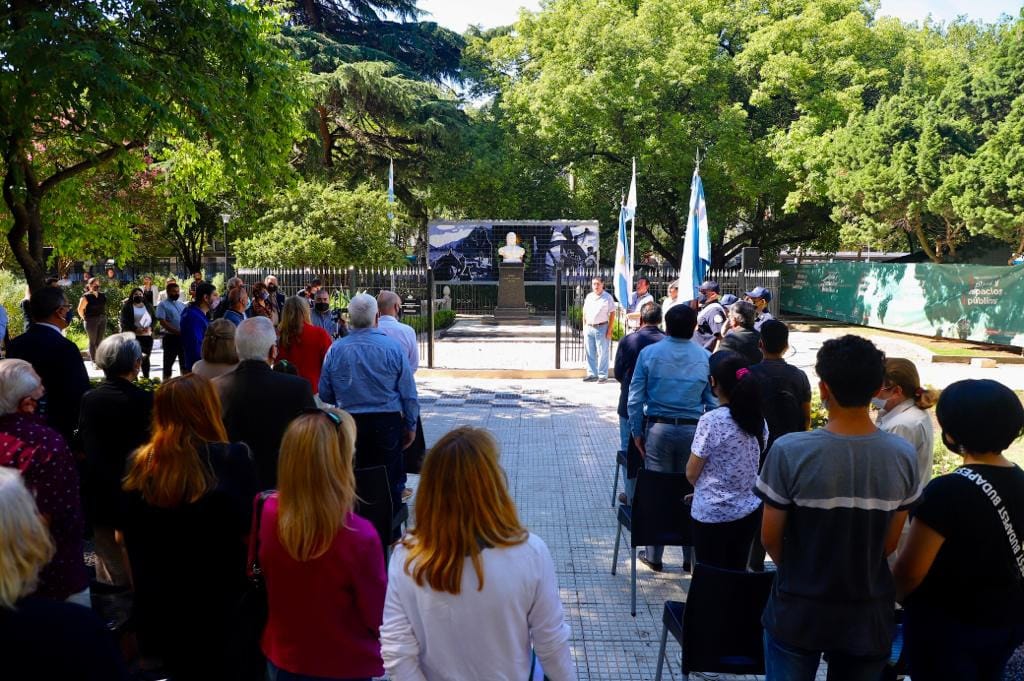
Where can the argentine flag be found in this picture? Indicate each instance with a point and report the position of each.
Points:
(391, 189)
(623, 267)
(697, 247)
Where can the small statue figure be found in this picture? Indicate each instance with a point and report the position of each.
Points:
(511, 252)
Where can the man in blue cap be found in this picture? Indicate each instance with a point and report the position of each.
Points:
(760, 297)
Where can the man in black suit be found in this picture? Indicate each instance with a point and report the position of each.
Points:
(625, 362)
(57, 360)
(259, 403)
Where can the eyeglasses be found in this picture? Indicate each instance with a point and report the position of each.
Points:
(331, 416)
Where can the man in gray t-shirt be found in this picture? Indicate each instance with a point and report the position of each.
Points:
(835, 501)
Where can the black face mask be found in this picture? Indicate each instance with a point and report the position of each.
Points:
(173, 296)
(272, 288)
(322, 307)
(136, 299)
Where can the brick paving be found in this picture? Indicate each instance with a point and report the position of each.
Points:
(558, 439)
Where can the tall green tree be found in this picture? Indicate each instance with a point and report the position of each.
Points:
(86, 82)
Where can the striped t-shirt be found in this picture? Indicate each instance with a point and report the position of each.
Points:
(834, 590)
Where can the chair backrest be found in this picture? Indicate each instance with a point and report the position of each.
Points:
(374, 500)
(660, 517)
(722, 622)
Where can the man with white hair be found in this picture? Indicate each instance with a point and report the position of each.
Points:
(257, 402)
(368, 375)
(276, 297)
(46, 464)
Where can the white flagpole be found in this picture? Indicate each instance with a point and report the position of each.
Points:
(632, 227)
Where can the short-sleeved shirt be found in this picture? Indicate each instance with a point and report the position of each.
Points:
(975, 562)
(725, 489)
(834, 590)
(710, 321)
(95, 305)
(914, 425)
(761, 319)
(170, 311)
(598, 308)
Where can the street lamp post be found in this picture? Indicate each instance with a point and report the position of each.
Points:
(226, 218)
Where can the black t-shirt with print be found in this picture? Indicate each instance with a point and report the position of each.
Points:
(974, 578)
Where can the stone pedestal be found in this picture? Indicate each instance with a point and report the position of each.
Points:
(511, 307)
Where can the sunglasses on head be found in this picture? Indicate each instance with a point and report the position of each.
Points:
(331, 416)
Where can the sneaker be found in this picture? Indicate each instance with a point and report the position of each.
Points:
(623, 499)
(590, 379)
(603, 379)
(642, 557)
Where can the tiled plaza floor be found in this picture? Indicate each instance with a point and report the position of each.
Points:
(558, 439)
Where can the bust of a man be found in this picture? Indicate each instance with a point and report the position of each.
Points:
(511, 252)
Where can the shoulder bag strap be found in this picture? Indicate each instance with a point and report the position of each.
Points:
(1014, 539)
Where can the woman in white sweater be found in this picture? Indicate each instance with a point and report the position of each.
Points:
(472, 595)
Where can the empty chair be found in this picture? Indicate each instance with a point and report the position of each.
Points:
(659, 516)
(719, 625)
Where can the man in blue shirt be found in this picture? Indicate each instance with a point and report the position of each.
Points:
(168, 312)
(193, 326)
(668, 394)
(367, 374)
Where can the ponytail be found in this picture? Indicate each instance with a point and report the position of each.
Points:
(735, 382)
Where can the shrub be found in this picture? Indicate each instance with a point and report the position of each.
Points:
(147, 384)
(442, 320)
(12, 292)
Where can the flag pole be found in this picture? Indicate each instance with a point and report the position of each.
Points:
(632, 231)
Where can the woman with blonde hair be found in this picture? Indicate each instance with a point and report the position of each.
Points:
(219, 354)
(323, 565)
(43, 638)
(302, 343)
(903, 405)
(469, 588)
(185, 519)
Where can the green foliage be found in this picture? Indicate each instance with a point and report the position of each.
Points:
(819, 415)
(115, 75)
(442, 320)
(147, 384)
(316, 224)
(12, 292)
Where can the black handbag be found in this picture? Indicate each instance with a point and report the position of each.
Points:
(253, 609)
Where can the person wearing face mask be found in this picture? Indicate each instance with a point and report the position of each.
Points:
(114, 422)
(137, 317)
(262, 304)
(48, 469)
(327, 319)
(902, 410)
(276, 297)
(92, 308)
(961, 574)
(194, 321)
(711, 318)
(56, 359)
(169, 312)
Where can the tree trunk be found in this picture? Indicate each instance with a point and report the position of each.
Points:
(922, 239)
(26, 222)
(326, 138)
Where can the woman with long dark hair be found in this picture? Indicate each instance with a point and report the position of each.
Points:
(723, 466)
(301, 343)
(185, 520)
(137, 316)
(961, 572)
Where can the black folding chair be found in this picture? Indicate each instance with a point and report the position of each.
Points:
(719, 625)
(658, 517)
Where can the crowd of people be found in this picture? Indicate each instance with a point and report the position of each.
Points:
(239, 481)
(712, 397)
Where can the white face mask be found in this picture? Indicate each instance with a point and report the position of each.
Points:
(878, 402)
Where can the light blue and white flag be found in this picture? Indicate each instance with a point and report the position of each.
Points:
(630, 214)
(623, 267)
(697, 247)
(391, 189)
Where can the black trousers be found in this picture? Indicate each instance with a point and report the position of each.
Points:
(726, 545)
(379, 443)
(146, 343)
(172, 351)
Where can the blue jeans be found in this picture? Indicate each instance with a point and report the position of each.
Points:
(668, 449)
(598, 345)
(277, 674)
(624, 438)
(939, 647)
(785, 663)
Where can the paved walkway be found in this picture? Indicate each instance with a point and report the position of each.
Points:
(558, 439)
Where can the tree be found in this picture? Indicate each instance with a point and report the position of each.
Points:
(317, 224)
(88, 82)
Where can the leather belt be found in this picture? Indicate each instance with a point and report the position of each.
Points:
(671, 421)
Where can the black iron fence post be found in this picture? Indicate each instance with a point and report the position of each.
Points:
(430, 318)
(558, 318)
